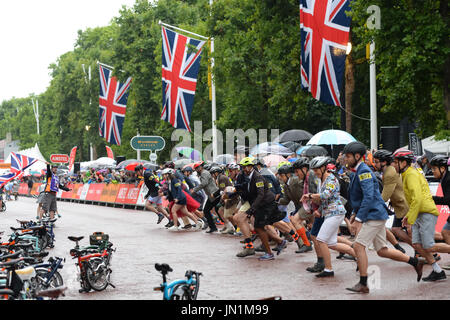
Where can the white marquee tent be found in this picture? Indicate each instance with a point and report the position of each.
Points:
(33, 152)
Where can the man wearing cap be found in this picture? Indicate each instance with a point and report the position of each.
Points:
(52, 187)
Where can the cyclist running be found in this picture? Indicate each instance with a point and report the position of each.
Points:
(230, 197)
(154, 196)
(422, 213)
(439, 167)
(222, 181)
(179, 199)
(332, 210)
(370, 215)
(393, 191)
(212, 191)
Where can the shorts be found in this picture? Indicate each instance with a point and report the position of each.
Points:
(49, 202)
(316, 226)
(268, 215)
(329, 229)
(228, 213)
(397, 223)
(373, 232)
(155, 200)
(40, 198)
(423, 230)
(244, 206)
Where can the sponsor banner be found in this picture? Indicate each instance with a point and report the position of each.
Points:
(67, 194)
(109, 193)
(35, 189)
(443, 212)
(84, 192)
(59, 194)
(95, 192)
(140, 200)
(132, 195)
(23, 189)
(75, 189)
(122, 193)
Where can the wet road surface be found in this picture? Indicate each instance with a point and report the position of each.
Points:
(141, 243)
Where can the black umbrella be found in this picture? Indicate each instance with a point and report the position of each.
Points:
(314, 151)
(294, 135)
(150, 166)
(292, 145)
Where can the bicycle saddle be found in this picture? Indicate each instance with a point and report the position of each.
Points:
(23, 222)
(164, 268)
(39, 254)
(52, 293)
(75, 238)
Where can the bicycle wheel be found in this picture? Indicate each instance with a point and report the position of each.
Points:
(180, 292)
(43, 243)
(42, 275)
(195, 287)
(97, 274)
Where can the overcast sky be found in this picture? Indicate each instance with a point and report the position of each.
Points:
(34, 33)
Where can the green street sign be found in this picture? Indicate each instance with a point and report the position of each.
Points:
(148, 143)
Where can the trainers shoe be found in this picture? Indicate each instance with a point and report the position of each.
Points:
(446, 267)
(359, 288)
(266, 257)
(173, 228)
(318, 267)
(340, 256)
(288, 237)
(399, 248)
(434, 276)
(169, 224)
(211, 230)
(304, 249)
(230, 230)
(280, 247)
(224, 230)
(349, 257)
(246, 252)
(325, 274)
(187, 227)
(160, 218)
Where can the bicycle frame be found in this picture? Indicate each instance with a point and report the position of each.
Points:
(54, 266)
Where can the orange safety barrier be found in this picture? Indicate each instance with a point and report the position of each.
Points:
(443, 212)
(34, 190)
(95, 192)
(109, 193)
(23, 189)
(132, 194)
(122, 193)
(75, 189)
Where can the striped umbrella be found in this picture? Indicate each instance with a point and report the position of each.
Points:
(190, 153)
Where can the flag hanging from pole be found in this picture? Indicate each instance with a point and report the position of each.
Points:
(324, 38)
(181, 57)
(72, 157)
(113, 105)
(109, 152)
(18, 164)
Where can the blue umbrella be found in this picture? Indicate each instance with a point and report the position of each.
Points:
(331, 137)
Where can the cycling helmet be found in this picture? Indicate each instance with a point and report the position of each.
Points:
(285, 169)
(283, 163)
(260, 161)
(169, 164)
(383, 155)
(138, 167)
(439, 161)
(216, 169)
(234, 166)
(207, 166)
(404, 154)
(248, 161)
(355, 147)
(301, 163)
(318, 162)
(168, 171)
(187, 168)
(198, 164)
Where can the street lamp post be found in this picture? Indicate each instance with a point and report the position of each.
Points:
(91, 150)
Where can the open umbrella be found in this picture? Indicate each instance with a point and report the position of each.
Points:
(150, 166)
(270, 148)
(190, 153)
(273, 159)
(224, 159)
(131, 166)
(180, 163)
(314, 151)
(331, 137)
(124, 163)
(294, 146)
(295, 135)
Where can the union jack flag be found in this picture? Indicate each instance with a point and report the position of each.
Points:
(113, 105)
(180, 66)
(18, 164)
(324, 37)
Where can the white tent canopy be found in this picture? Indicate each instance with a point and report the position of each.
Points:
(436, 146)
(103, 162)
(33, 152)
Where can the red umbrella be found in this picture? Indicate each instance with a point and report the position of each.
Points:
(131, 166)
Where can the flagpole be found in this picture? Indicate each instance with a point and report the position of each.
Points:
(179, 29)
(105, 65)
(213, 87)
(373, 99)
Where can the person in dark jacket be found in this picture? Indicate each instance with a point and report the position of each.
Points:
(439, 167)
(154, 196)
